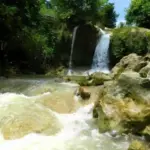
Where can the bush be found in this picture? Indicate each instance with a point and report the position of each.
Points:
(138, 13)
(32, 49)
(128, 40)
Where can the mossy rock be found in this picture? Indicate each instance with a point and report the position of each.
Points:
(146, 132)
(56, 72)
(119, 110)
(118, 72)
(99, 78)
(103, 121)
(139, 66)
(124, 105)
(144, 71)
(81, 80)
(91, 80)
(130, 62)
(137, 145)
(145, 83)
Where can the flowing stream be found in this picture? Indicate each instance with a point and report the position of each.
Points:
(101, 56)
(42, 114)
(72, 48)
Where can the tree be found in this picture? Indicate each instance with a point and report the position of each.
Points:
(76, 12)
(38, 35)
(139, 13)
(108, 16)
(8, 27)
(14, 17)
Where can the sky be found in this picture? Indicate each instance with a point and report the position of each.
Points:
(120, 6)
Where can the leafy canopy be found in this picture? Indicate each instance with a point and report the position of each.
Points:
(81, 11)
(139, 13)
(38, 34)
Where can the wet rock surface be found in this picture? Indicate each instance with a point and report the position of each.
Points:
(138, 145)
(94, 79)
(124, 102)
(85, 95)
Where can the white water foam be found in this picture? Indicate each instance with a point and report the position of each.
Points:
(101, 56)
(78, 133)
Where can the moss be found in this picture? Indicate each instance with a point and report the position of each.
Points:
(146, 83)
(124, 116)
(92, 80)
(106, 123)
(140, 66)
(56, 72)
(103, 122)
(143, 74)
(144, 71)
(137, 145)
(99, 78)
(146, 132)
(120, 70)
(81, 80)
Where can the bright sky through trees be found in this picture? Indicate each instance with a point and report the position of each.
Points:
(120, 6)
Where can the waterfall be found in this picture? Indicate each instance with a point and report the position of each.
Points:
(101, 56)
(72, 48)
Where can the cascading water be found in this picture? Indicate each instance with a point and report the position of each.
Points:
(28, 122)
(101, 56)
(72, 48)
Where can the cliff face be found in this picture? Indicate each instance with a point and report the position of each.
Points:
(85, 44)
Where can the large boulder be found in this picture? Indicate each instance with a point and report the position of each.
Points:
(129, 62)
(135, 86)
(132, 62)
(124, 102)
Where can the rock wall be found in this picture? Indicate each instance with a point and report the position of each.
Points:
(85, 43)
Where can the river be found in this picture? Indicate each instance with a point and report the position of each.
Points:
(43, 114)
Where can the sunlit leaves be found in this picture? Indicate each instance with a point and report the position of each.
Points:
(139, 13)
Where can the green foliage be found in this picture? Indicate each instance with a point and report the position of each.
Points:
(8, 22)
(122, 25)
(128, 40)
(33, 51)
(139, 13)
(41, 37)
(81, 11)
(108, 16)
(67, 8)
